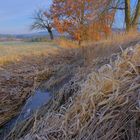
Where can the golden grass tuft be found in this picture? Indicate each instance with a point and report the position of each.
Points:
(66, 43)
(107, 48)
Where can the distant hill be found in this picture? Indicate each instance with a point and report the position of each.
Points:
(16, 37)
(117, 30)
(4, 37)
(36, 34)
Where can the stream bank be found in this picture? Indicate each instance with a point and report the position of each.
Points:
(63, 78)
(32, 105)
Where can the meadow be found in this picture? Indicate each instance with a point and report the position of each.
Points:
(15, 50)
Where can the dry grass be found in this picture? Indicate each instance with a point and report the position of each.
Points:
(66, 43)
(20, 64)
(122, 37)
(117, 38)
(19, 79)
(109, 47)
(103, 49)
(101, 101)
(106, 108)
(16, 51)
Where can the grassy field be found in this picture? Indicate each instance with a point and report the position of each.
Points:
(14, 51)
(95, 87)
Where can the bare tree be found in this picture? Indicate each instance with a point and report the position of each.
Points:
(131, 15)
(43, 21)
(135, 19)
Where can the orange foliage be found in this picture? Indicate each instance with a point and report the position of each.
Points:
(82, 19)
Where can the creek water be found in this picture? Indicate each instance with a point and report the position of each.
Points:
(32, 104)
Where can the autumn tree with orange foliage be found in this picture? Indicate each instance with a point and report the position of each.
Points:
(82, 19)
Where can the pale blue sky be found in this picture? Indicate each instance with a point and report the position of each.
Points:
(15, 15)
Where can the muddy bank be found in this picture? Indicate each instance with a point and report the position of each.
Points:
(19, 81)
(32, 105)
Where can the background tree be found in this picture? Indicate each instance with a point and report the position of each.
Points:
(43, 21)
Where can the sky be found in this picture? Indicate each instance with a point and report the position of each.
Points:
(16, 15)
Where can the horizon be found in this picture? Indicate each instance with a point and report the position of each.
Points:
(40, 31)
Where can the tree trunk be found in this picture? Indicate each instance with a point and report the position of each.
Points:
(51, 34)
(136, 16)
(79, 42)
(127, 15)
(82, 12)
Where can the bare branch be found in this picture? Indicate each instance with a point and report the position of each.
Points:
(118, 8)
(42, 21)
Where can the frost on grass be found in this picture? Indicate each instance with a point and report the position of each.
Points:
(106, 108)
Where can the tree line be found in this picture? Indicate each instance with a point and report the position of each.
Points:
(86, 19)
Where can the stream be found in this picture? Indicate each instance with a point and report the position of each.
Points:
(39, 99)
